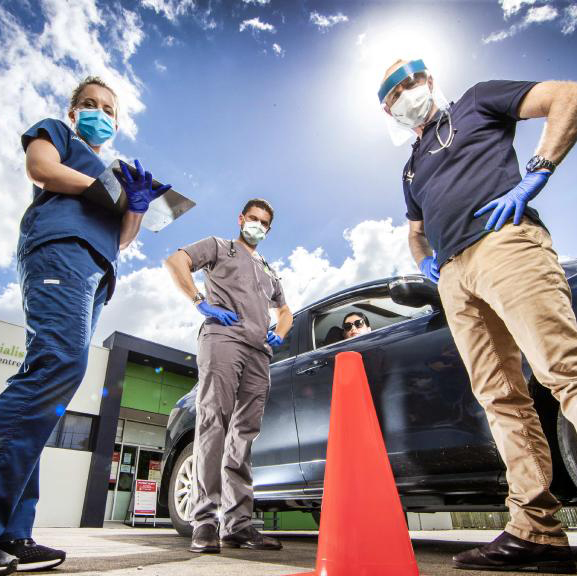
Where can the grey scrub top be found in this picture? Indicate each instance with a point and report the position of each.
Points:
(242, 283)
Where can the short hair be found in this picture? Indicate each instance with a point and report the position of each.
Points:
(363, 316)
(259, 203)
(75, 97)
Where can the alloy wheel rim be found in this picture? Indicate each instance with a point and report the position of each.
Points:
(183, 490)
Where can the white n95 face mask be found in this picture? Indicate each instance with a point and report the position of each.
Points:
(253, 232)
(413, 106)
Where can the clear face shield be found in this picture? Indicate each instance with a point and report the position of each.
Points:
(407, 100)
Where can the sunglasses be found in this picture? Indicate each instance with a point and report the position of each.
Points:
(348, 326)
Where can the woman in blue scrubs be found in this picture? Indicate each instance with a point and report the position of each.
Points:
(67, 254)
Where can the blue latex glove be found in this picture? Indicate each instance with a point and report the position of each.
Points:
(139, 192)
(225, 317)
(514, 201)
(273, 339)
(430, 268)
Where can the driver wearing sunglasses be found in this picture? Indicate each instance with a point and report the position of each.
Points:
(355, 325)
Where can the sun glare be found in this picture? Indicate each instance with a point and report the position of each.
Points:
(379, 47)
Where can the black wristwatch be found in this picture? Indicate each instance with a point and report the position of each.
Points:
(540, 163)
(198, 298)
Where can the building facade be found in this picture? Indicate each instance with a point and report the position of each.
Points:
(113, 430)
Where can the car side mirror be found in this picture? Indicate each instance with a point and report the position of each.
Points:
(415, 292)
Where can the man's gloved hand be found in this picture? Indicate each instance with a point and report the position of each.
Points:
(273, 339)
(225, 317)
(514, 201)
(139, 192)
(430, 268)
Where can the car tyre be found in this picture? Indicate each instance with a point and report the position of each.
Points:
(567, 438)
(180, 492)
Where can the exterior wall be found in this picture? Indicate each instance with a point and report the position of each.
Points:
(63, 479)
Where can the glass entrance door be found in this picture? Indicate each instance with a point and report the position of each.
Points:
(126, 473)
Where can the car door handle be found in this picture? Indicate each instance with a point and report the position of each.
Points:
(313, 367)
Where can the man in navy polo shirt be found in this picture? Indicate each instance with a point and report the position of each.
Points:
(66, 259)
(500, 282)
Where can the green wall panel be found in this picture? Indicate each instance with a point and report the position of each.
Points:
(145, 389)
(141, 394)
(290, 521)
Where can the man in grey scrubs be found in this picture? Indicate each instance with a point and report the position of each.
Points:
(234, 351)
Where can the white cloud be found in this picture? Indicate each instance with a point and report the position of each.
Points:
(133, 252)
(323, 22)
(256, 25)
(278, 50)
(160, 66)
(39, 69)
(570, 19)
(361, 39)
(169, 41)
(170, 9)
(148, 305)
(541, 14)
(511, 7)
(534, 15)
(125, 28)
(258, 2)
(378, 249)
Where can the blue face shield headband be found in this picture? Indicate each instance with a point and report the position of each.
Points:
(399, 75)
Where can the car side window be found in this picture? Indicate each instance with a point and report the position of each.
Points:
(283, 351)
(380, 311)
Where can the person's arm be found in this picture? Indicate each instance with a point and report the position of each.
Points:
(131, 222)
(45, 169)
(179, 265)
(284, 321)
(556, 101)
(418, 243)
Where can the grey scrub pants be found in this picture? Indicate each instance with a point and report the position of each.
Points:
(233, 385)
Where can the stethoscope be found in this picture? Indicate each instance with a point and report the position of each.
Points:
(232, 253)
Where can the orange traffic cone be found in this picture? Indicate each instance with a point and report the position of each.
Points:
(363, 530)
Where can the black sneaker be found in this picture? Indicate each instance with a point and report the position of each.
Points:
(32, 556)
(8, 563)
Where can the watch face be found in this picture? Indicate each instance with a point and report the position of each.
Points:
(533, 163)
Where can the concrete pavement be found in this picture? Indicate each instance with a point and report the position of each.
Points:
(118, 550)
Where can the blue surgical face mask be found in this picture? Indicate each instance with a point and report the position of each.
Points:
(94, 126)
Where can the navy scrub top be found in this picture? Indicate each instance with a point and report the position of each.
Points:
(52, 215)
(444, 190)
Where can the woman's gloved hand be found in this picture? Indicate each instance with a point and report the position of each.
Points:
(430, 268)
(273, 339)
(139, 191)
(514, 201)
(225, 317)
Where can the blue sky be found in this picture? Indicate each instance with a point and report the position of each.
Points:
(234, 99)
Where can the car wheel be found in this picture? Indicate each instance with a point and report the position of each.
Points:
(567, 438)
(180, 492)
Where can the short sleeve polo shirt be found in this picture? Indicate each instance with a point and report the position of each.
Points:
(445, 189)
(241, 282)
(52, 215)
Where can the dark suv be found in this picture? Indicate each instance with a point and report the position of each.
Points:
(439, 444)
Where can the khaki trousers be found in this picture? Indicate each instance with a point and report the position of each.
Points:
(233, 387)
(505, 295)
